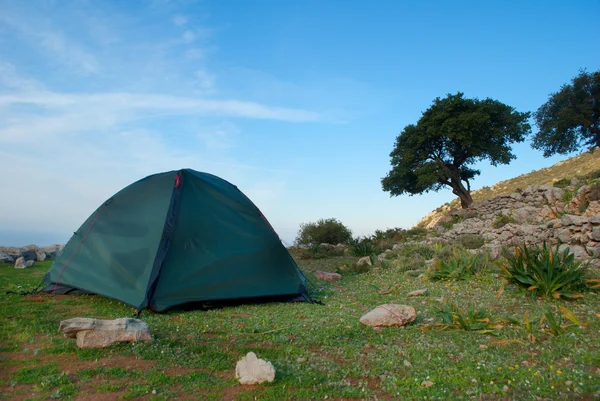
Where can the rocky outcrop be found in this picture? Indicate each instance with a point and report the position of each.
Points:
(538, 214)
(29, 253)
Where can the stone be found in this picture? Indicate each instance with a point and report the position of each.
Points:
(29, 263)
(389, 315)
(554, 194)
(494, 250)
(564, 235)
(6, 258)
(329, 276)
(40, 256)
(572, 220)
(96, 333)
(595, 219)
(20, 263)
(427, 383)
(577, 250)
(364, 261)
(407, 363)
(251, 370)
(380, 257)
(417, 293)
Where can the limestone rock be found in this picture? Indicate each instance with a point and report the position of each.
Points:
(577, 250)
(251, 370)
(364, 261)
(417, 293)
(29, 263)
(572, 220)
(95, 333)
(389, 315)
(6, 258)
(40, 256)
(20, 263)
(327, 275)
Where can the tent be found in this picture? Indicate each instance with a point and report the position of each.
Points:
(175, 238)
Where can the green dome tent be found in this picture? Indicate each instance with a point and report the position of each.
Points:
(175, 238)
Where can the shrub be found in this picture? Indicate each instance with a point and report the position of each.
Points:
(328, 231)
(562, 183)
(502, 220)
(471, 241)
(363, 247)
(448, 224)
(568, 196)
(317, 251)
(545, 272)
(458, 268)
(472, 319)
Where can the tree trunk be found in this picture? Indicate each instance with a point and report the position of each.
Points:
(459, 190)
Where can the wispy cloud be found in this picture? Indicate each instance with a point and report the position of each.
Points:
(179, 20)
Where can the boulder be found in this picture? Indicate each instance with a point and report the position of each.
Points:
(29, 263)
(251, 370)
(327, 275)
(596, 233)
(20, 263)
(95, 333)
(6, 258)
(389, 315)
(40, 256)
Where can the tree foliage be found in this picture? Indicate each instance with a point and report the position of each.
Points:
(327, 231)
(570, 119)
(452, 135)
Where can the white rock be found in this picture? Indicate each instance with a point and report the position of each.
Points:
(416, 293)
(251, 370)
(364, 261)
(389, 315)
(20, 263)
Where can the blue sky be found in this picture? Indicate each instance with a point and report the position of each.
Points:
(297, 103)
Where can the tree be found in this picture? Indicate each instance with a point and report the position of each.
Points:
(328, 231)
(451, 135)
(570, 119)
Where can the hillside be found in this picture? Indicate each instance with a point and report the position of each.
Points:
(577, 166)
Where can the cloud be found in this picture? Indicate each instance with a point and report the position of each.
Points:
(179, 20)
(220, 136)
(53, 42)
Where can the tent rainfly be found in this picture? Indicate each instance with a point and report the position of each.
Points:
(175, 238)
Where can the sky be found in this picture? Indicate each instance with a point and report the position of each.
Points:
(298, 103)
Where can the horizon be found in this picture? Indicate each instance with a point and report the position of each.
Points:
(297, 104)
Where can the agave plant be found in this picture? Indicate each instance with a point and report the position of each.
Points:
(546, 272)
(457, 268)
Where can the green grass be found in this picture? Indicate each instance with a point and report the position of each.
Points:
(317, 350)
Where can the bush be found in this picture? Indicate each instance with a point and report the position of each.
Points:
(458, 268)
(545, 272)
(363, 247)
(562, 183)
(317, 251)
(448, 224)
(471, 241)
(502, 220)
(328, 231)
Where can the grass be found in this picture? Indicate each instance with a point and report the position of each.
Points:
(318, 350)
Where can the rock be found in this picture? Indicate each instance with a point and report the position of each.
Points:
(20, 263)
(407, 363)
(572, 220)
(595, 219)
(381, 257)
(564, 235)
(95, 333)
(577, 250)
(29, 252)
(554, 194)
(389, 315)
(396, 246)
(596, 233)
(301, 360)
(427, 383)
(364, 261)
(494, 250)
(417, 293)
(6, 258)
(40, 256)
(251, 370)
(327, 275)
(29, 263)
